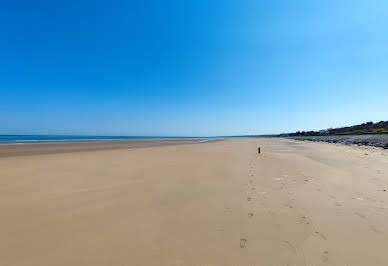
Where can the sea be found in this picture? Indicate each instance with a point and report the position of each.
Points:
(21, 139)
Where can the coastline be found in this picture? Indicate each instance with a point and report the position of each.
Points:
(373, 140)
(37, 139)
(27, 149)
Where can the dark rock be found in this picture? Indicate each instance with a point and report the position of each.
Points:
(374, 140)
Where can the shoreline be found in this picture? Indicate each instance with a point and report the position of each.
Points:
(38, 139)
(29, 149)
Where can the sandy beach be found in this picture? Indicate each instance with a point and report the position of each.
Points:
(216, 203)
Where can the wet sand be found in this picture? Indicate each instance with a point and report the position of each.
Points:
(8, 150)
(221, 203)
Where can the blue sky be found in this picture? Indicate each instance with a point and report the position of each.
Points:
(191, 68)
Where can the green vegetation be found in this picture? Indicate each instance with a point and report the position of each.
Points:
(367, 131)
(365, 128)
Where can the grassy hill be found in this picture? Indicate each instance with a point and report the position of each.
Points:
(365, 128)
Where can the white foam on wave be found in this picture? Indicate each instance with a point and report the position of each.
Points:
(63, 140)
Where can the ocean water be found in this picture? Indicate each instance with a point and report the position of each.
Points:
(20, 139)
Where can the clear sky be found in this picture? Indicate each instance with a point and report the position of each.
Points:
(191, 68)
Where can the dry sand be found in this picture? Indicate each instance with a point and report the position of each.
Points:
(218, 203)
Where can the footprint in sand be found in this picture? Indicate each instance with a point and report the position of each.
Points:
(243, 242)
(325, 256)
(375, 229)
(303, 219)
(290, 247)
(250, 215)
(321, 235)
(249, 199)
(360, 215)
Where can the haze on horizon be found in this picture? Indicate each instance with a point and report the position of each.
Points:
(191, 68)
